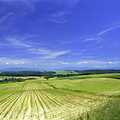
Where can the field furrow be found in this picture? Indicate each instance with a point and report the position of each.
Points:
(35, 100)
(7, 108)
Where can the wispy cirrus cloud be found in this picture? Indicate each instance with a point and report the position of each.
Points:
(49, 54)
(69, 3)
(56, 54)
(59, 17)
(17, 43)
(24, 1)
(5, 17)
(43, 53)
(96, 40)
(58, 20)
(107, 30)
(100, 35)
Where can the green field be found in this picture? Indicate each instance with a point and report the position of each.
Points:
(86, 97)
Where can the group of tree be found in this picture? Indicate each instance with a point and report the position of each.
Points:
(11, 79)
(27, 73)
(51, 74)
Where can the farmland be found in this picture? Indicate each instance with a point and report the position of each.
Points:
(86, 97)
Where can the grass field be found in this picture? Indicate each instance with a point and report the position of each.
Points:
(86, 97)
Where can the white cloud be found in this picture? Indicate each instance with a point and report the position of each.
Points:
(89, 39)
(56, 54)
(5, 17)
(58, 17)
(17, 0)
(58, 20)
(96, 40)
(105, 31)
(11, 61)
(98, 37)
(17, 43)
(110, 62)
(48, 54)
(97, 62)
(43, 53)
(64, 63)
(48, 63)
(69, 3)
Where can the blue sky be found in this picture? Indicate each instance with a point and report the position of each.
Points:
(60, 34)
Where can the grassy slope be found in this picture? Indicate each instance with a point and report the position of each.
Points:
(95, 85)
(71, 92)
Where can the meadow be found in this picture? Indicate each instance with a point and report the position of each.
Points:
(83, 97)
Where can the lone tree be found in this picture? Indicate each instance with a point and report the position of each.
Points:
(46, 77)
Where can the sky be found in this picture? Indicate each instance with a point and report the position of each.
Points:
(60, 34)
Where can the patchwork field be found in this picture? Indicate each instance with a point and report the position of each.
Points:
(74, 98)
